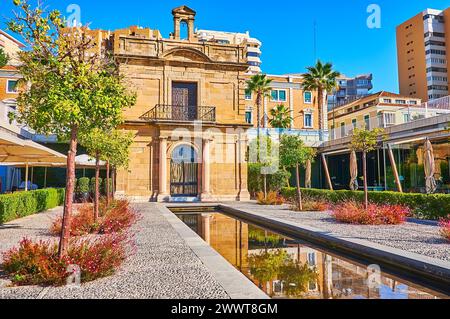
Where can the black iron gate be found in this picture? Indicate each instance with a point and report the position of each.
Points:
(183, 179)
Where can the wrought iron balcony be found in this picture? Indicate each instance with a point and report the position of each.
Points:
(179, 113)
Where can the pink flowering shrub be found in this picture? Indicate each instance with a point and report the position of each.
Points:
(82, 222)
(38, 263)
(351, 212)
(118, 217)
(445, 227)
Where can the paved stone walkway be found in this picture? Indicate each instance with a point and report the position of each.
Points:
(163, 267)
(417, 237)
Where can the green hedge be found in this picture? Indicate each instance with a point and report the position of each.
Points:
(18, 205)
(423, 206)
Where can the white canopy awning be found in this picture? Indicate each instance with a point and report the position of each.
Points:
(87, 161)
(20, 151)
(14, 149)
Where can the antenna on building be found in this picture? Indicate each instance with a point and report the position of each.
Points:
(315, 41)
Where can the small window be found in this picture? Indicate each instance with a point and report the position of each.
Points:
(312, 286)
(248, 96)
(11, 86)
(308, 120)
(388, 101)
(400, 102)
(406, 118)
(367, 121)
(343, 130)
(389, 119)
(354, 123)
(278, 95)
(249, 117)
(312, 259)
(412, 102)
(308, 97)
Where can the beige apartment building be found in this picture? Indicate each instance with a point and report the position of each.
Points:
(379, 110)
(423, 48)
(286, 90)
(9, 74)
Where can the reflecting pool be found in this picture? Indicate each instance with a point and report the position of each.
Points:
(288, 268)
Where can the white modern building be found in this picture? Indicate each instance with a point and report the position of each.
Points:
(253, 45)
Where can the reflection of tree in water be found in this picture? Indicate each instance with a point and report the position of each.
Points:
(265, 266)
(264, 238)
(296, 278)
(269, 266)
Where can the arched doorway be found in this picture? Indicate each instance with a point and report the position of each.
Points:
(184, 172)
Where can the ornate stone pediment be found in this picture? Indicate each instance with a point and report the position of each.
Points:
(183, 10)
(186, 55)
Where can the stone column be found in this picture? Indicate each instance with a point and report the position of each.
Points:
(205, 222)
(244, 194)
(163, 168)
(191, 31)
(176, 28)
(206, 168)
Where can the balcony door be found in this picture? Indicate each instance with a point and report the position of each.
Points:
(184, 101)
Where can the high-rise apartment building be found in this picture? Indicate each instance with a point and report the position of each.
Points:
(252, 45)
(350, 89)
(423, 48)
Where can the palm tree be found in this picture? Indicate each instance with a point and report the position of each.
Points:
(260, 85)
(323, 79)
(281, 117)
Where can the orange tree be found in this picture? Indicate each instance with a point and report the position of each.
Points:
(117, 154)
(294, 154)
(111, 146)
(70, 89)
(96, 144)
(365, 141)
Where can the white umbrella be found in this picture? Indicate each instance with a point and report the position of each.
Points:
(87, 161)
(430, 168)
(353, 172)
(308, 174)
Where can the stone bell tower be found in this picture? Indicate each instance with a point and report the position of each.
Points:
(181, 15)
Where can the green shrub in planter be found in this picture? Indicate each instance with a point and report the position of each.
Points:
(83, 189)
(83, 185)
(104, 184)
(92, 186)
(275, 182)
(21, 204)
(424, 206)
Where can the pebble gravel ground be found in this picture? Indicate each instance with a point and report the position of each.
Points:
(162, 266)
(414, 236)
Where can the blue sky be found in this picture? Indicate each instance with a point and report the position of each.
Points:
(284, 27)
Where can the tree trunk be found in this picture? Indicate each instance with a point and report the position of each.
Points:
(288, 181)
(299, 191)
(265, 186)
(108, 191)
(113, 192)
(70, 185)
(258, 123)
(97, 186)
(320, 102)
(366, 192)
(258, 113)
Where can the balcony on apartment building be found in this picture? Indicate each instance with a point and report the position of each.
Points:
(180, 114)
